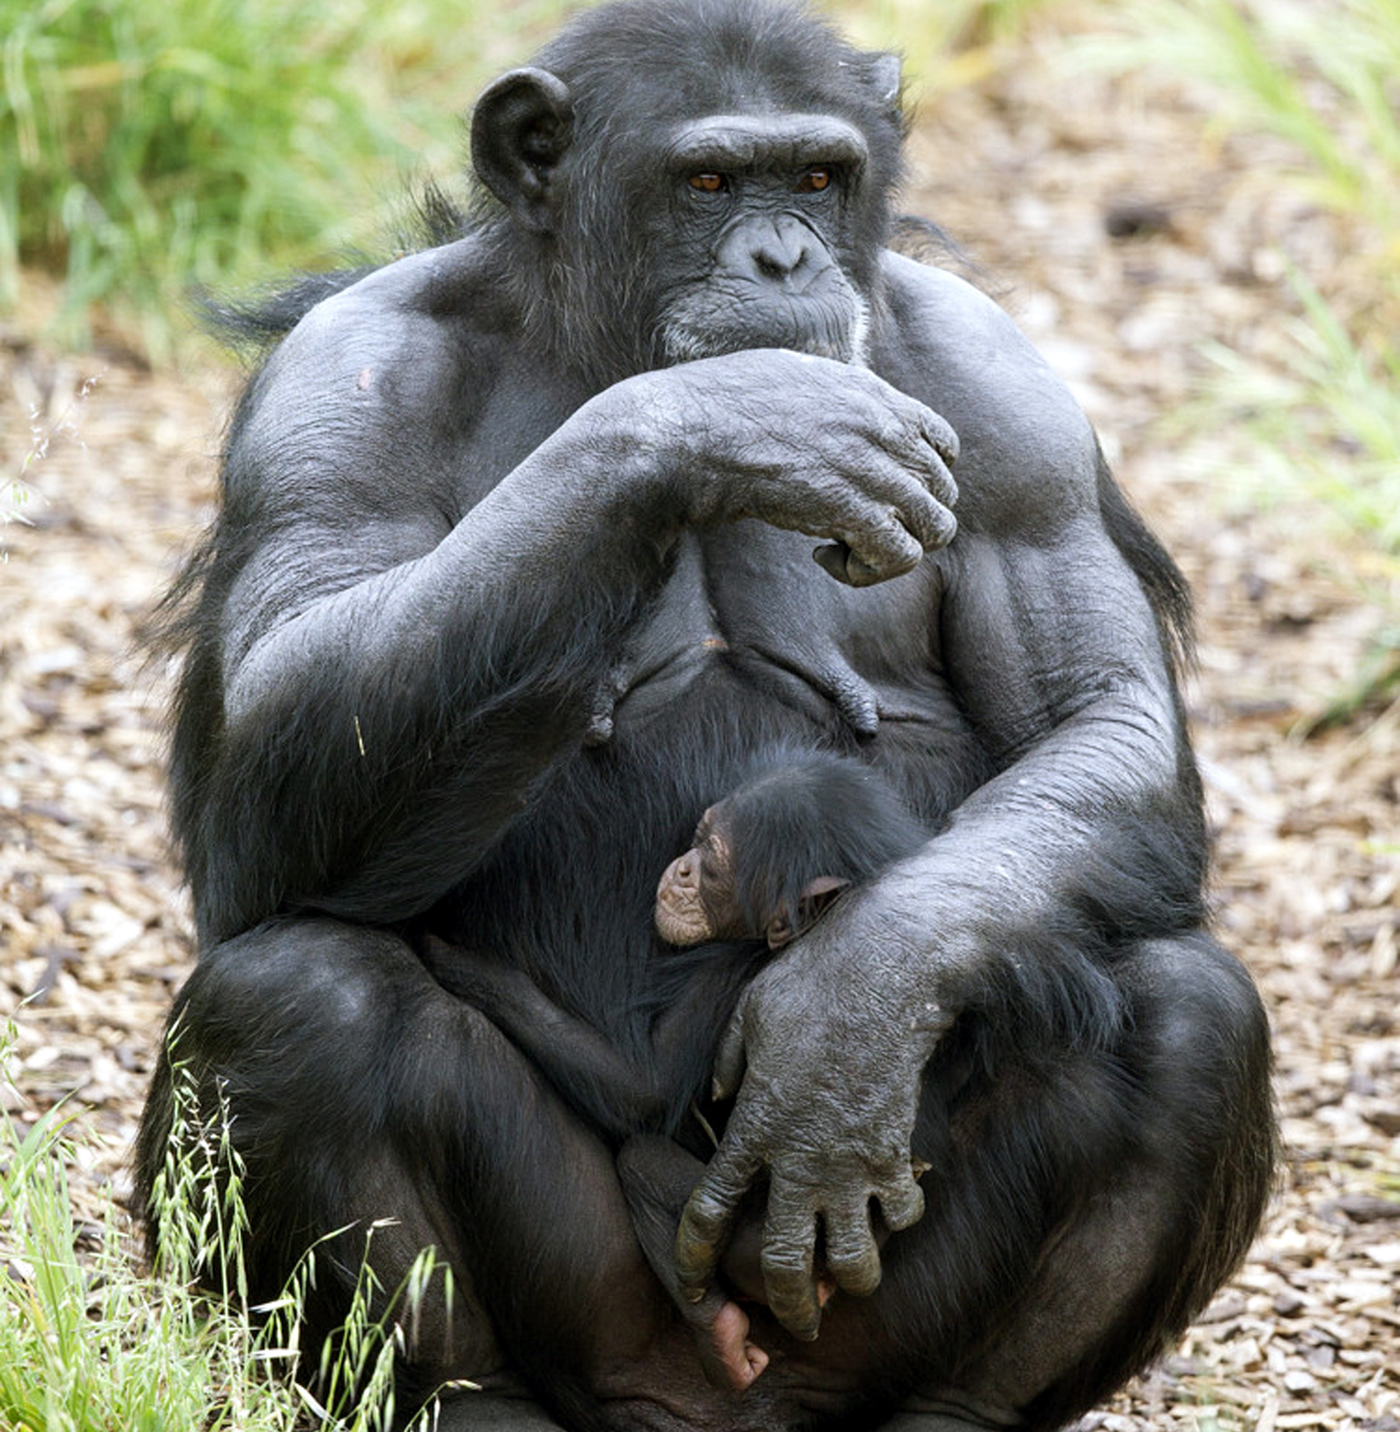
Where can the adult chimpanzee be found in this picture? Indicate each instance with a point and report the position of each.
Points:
(511, 580)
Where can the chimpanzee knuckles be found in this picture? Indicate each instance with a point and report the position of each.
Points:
(944, 441)
(521, 126)
(824, 448)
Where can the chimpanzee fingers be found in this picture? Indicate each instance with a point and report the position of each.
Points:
(902, 1204)
(789, 1250)
(852, 1255)
(938, 433)
(908, 438)
(932, 521)
(837, 559)
(884, 549)
(708, 1217)
(730, 1058)
(914, 484)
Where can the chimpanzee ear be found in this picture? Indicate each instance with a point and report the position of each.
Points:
(817, 895)
(883, 75)
(521, 127)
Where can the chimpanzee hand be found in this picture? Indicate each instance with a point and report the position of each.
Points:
(809, 445)
(835, 1039)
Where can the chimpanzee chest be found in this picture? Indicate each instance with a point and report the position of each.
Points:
(748, 599)
(751, 649)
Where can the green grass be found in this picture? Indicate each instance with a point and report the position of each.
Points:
(147, 147)
(88, 1343)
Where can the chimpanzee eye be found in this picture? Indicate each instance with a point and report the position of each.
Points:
(707, 183)
(817, 178)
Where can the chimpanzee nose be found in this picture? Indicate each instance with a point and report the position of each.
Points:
(774, 249)
(780, 251)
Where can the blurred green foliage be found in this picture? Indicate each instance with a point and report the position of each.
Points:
(89, 1342)
(1325, 77)
(145, 147)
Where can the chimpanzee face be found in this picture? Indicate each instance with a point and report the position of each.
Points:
(696, 898)
(756, 241)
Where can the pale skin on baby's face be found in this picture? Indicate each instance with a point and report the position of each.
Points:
(695, 899)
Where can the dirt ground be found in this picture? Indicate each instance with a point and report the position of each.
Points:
(1023, 172)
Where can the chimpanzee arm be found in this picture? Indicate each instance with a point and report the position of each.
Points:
(620, 1093)
(1089, 835)
(404, 620)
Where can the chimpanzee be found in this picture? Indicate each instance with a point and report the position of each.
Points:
(770, 856)
(764, 863)
(511, 579)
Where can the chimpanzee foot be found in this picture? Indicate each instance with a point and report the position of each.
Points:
(657, 1176)
(728, 1357)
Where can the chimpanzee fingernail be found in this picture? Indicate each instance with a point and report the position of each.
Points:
(834, 558)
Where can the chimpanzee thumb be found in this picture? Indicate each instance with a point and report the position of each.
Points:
(731, 1060)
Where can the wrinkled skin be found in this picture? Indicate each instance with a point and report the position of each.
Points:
(696, 898)
(513, 577)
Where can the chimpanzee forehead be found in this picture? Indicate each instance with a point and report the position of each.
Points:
(746, 141)
(638, 62)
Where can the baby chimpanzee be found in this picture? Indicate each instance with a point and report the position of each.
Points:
(768, 859)
(765, 862)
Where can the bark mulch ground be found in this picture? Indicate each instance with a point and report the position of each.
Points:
(1027, 171)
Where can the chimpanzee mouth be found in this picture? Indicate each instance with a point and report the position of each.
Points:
(835, 326)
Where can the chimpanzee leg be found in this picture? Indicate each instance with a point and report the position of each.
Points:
(657, 1177)
(1164, 1215)
(361, 1091)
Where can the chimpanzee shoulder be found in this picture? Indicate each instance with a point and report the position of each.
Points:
(389, 367)
(1027, 453)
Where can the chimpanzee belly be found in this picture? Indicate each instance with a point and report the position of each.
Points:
(569, 893)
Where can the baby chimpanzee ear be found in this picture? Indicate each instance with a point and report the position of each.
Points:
(816, 896)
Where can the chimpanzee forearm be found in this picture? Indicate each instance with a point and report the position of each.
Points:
(430, 693)
(621, 1093)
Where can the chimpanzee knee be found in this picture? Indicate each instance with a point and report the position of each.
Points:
(291, 1021)
(1205, 1037)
